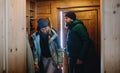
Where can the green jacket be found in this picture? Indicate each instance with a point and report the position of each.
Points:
(77, 40)
(55, 51)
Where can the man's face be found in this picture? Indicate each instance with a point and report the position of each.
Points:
(45, 30)
(68, 20)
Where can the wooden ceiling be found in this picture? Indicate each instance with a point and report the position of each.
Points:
(65, 0)
(51, 0)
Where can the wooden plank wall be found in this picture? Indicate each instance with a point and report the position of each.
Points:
(53, 11)
(16, 36)
(111, 35)
(50, 9)
(13, 16)
(17, 21)
(28, 15)
(2, 35)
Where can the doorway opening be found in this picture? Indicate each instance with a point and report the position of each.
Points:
(90, 17)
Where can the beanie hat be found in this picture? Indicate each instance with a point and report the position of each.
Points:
(71, 15)
(43, 22)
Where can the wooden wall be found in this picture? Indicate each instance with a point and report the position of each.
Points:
(110, 36)
(50, 8)
(31, 16)
(16, 36)
(16, 32)
(13, 36)
(2, 35)
(28, 15)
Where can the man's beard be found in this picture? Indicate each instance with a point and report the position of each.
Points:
(68, 24)
(44, 35)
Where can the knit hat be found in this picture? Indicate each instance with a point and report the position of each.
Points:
(71, 15)
(43, 22)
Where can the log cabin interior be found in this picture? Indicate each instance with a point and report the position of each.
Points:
(101, 17)
(88, 11)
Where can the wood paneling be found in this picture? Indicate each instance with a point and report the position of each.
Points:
(31, 16)
(2, 35)
(44, 9)
(110, 32)
(53, 15)
(28, 16)
(67, 4)
(111, 35)
(17, 36)
(12, 36)
(90, 20)
(88, 13)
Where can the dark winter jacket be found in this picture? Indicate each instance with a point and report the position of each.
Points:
(77, 40)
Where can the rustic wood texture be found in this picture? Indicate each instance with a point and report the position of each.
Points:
(110, 32)
(28, 16)
(87, 11)
(31, 14)
(2, 35)
(63, 4)
(111, 35)
(16, 36)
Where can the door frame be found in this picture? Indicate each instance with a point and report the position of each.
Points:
(5, 5)
(61, 12)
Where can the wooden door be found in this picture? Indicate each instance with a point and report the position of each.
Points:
(90, 19)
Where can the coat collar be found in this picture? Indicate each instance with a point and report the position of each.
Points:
(53, 35)
(72, 24)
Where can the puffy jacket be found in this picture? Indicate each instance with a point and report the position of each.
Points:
(55, 51)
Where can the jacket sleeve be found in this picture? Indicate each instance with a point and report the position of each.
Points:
(35, 55)
(82, 32)
(60, 56)
(59, 50)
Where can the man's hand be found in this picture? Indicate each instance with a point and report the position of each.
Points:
(79, 61)
(59, 66)
(36, 67)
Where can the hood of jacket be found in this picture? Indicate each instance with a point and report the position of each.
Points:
(72, 24)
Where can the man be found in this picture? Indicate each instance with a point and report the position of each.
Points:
(77, 43)
(47, 52)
